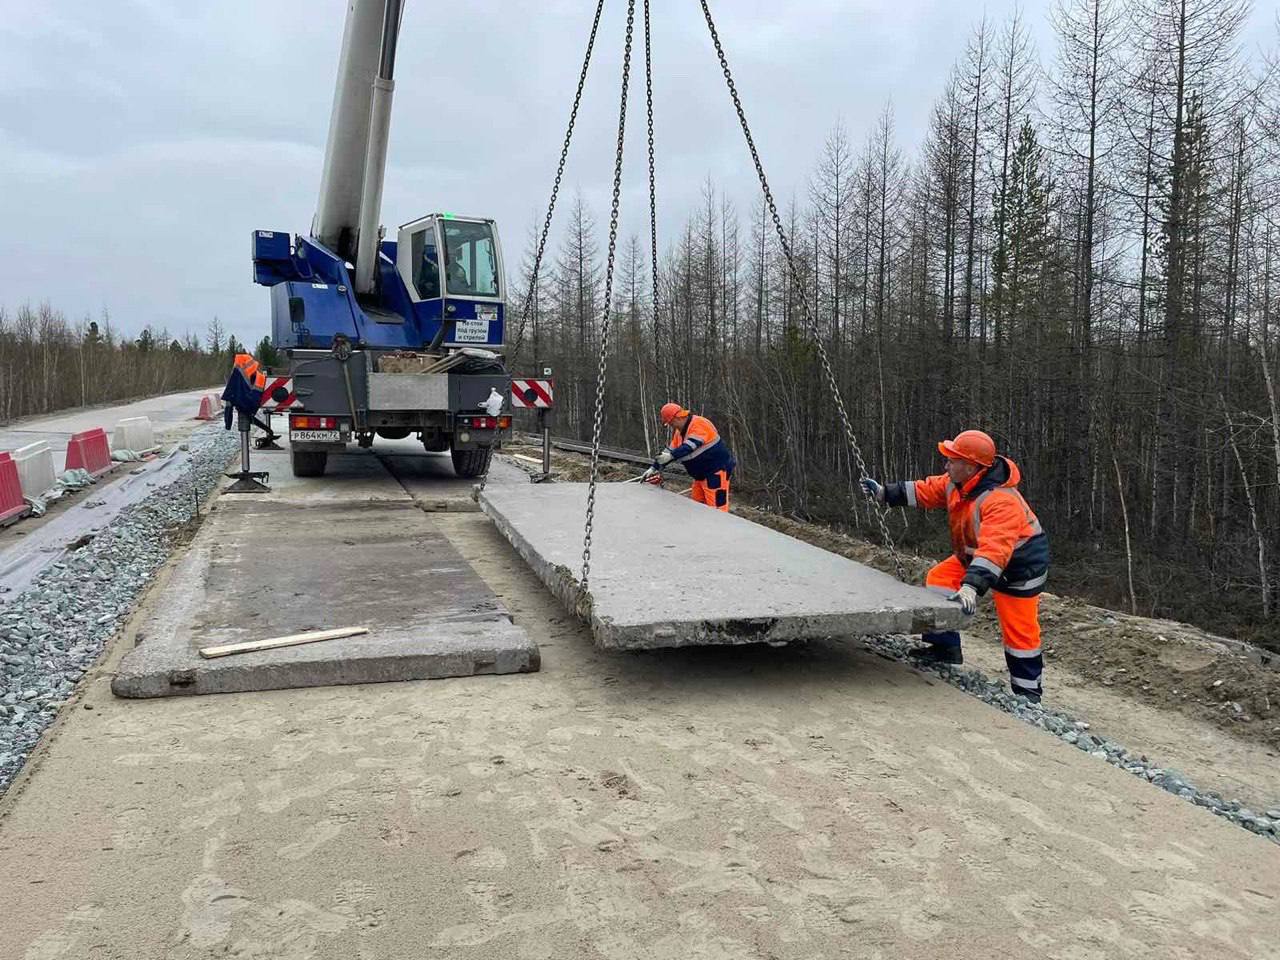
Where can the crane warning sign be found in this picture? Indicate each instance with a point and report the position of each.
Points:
(278, 394)
(533, 394)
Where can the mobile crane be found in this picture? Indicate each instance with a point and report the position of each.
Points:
(384, 337)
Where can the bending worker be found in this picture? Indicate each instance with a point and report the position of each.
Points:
(998, 545)
(697, 446)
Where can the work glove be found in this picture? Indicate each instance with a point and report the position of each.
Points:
(652, 475)
(665, 457)
(874, 488)
(967, 597)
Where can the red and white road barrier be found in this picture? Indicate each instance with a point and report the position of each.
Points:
(89, 450)
(35, 468)
(134, 433)
(12, 505)
(533, 394)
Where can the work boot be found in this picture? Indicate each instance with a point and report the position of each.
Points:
(936, 653)
(1031, 695)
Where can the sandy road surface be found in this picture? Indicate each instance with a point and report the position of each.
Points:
(795, 803)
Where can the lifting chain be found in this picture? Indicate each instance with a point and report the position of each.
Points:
(555, 187)
(551, 205)
(785, 244)
(607, 310)
(653, 189)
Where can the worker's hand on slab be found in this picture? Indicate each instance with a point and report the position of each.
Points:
(874, 488)
(652, 475)
(967, 597)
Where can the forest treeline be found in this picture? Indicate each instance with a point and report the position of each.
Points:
(1079, 259)
(48, 363)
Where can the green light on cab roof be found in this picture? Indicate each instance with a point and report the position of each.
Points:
(448, 216)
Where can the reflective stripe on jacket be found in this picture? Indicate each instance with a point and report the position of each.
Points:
(701, 450)
(251, 369)
(994, 533)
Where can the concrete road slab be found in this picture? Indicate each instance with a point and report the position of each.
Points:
(355, 476)
(429, 479)
(259, 570)
(666, 572)
(392, 470)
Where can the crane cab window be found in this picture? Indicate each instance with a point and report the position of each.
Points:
(471, 267)
(426, 263)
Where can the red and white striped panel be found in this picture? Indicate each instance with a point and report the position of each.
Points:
(278, 394)
(533, 394)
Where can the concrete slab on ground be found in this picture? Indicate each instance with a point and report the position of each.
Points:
(430, 480)
(666, 572)
(354, 476)
(392, 470)
(259, 570)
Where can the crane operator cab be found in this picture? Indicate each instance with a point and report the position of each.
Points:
(452, 269)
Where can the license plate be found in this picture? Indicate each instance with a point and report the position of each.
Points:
(316, 436)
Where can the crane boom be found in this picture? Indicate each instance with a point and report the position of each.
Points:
(375, 164)
(338, 213)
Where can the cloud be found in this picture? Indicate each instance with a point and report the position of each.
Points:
(141, 141)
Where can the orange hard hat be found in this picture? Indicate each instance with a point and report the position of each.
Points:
(972, 445)
(672, 411)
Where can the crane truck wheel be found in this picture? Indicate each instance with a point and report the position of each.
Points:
(308, 463)
(471, 463)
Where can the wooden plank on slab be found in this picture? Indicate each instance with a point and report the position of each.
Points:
(272, 643)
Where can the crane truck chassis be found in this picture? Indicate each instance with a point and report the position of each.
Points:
(384, 337)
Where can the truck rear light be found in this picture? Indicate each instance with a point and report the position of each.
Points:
(299, 422)
(485, 423)
(504, 423)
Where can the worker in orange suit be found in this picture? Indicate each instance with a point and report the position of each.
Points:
(997, 543)
(698, 447)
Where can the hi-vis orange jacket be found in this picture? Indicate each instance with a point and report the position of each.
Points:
(701, 450)
(251, 369)
(244, 388)
(994, 533)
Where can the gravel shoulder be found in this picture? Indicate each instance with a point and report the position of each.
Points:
(55, 627)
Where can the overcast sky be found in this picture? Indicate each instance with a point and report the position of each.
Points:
(141, 141)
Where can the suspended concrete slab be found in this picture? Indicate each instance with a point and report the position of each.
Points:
(666, 572)
(258, 570)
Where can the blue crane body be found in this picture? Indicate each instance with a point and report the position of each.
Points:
(384, 337)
